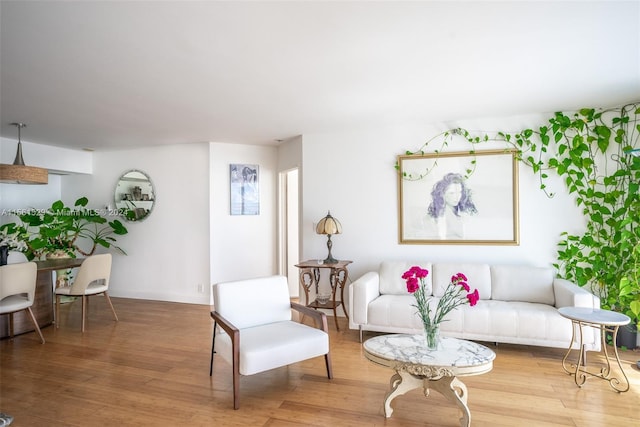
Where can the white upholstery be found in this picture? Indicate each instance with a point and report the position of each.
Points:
(274, 345)
(17, 291)
(518, 305)
(391, 281)
(478, 275)
(519, 283)
(247, 303)
(17, 286)
(259, 312)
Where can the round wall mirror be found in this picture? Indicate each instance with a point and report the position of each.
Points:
(135, 195)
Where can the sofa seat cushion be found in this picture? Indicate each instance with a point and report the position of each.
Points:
(522, 283)
(391, 281)
(488, 320)
(263, 347)
(514, 320)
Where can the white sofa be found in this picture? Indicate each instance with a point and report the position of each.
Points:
(518, 304)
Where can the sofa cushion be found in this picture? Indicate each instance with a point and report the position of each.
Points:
(391, 281)
(395, 311)
(478, 276)
(522, 283)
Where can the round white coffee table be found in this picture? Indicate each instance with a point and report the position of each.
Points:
(416, 366)
(606, 321)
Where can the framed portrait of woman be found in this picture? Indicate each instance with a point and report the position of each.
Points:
(459, 198)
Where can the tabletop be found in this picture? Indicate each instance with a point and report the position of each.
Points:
(318, 263)
(594, 315)
(462, 356)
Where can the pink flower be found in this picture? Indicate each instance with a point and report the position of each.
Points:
(412, 284)
(473, 297)
(452, 298)
(421, 273)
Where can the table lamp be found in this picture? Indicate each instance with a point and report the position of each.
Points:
(329, 225)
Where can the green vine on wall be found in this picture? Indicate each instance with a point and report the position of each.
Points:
(589, 150)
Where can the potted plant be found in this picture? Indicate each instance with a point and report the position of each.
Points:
(68, 231)
(629, 301)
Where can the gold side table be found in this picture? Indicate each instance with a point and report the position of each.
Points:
(338, 275)
(606, 321)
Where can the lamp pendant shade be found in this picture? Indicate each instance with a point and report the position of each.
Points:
(18, 172)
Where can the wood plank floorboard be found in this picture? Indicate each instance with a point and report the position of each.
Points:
(151, 368)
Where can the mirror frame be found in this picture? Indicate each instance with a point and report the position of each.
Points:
(121, 207)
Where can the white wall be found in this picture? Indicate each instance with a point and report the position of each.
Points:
(18, 197)
(190, 239)
(177, 252)
(290, 160)
(168, 252)
(352, 174)
(242, 246)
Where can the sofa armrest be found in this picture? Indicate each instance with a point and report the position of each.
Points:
(361, 293)
(568, 294)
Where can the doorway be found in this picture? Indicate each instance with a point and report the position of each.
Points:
(288, 226)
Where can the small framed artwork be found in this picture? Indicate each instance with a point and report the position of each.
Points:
(244, 190)
(459, 198)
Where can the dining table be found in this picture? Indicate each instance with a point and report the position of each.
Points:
(43, 300)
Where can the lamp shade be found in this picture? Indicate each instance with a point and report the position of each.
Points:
(329, 225)
(18, 172)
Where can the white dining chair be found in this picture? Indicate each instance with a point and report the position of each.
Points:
(92, 279)
(17, 291)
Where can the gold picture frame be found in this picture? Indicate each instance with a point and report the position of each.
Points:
(459, 198)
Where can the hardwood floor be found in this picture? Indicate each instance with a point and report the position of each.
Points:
(151, 369)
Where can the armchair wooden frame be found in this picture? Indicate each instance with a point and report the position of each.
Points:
(234, 333)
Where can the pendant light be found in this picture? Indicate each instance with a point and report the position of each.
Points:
(18, 172)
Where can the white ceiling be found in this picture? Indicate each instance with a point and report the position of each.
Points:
(107, 75)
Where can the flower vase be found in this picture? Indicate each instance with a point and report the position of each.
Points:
(432, 336)
(4, 254)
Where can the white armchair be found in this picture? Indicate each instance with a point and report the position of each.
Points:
(254, 331)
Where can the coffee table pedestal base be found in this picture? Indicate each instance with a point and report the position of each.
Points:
(449, 386)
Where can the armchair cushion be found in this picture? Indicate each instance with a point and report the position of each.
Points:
(252, 302)
(274, 345)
